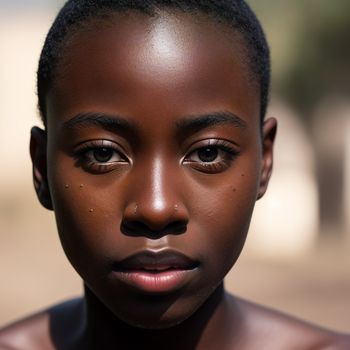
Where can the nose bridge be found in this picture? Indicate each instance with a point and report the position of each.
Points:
(157, 206)
(157, 191)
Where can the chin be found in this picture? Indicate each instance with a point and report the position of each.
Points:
(157, 312)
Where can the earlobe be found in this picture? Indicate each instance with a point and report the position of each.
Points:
(38, 141)
(268, 139)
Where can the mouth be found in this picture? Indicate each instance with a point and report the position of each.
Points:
(153, 272)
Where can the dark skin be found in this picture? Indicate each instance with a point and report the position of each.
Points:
(154, 143)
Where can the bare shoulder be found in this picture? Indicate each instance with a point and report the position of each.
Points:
(280, 331)
(29, 333)
(34, 332)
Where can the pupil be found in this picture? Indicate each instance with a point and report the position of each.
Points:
(103, 155)
(207, 154)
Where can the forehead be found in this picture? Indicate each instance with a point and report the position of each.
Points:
(182, 63)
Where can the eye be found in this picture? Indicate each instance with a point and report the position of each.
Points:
(103, 155)
(100, 156)
(208, 154)
(214, 157)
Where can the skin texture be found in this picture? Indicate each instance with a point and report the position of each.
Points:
(159, 95)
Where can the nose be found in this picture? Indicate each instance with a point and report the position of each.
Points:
(156, 208)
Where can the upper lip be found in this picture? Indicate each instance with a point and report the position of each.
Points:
(156, 261)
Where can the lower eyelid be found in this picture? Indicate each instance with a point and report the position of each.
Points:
(212, 168)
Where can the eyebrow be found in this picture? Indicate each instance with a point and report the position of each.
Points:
(190, 123)
(106, 121)
(198, 122)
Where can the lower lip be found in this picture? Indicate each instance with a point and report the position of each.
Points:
(155, 282)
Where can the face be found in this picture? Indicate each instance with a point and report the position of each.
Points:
(155, 160)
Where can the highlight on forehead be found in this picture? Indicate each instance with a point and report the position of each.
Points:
(166, 38)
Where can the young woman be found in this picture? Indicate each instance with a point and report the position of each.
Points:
(154, 151)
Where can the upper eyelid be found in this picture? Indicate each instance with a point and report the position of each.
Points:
(213, 139)
(91, 144)
(220, 143)
(95, 142)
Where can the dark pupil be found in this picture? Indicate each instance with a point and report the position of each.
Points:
(207, 154)
(103, 154)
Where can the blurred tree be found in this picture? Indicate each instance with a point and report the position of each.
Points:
(310, 49)
(311, 56)
(321, 63)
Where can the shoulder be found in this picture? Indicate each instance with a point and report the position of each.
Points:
(29, 333)
(35, 332)
(280, 331)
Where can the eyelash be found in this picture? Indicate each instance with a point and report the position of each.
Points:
(228, 154)
(84, 156)
(87, 159)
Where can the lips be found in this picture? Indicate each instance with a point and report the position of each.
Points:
(155, 272)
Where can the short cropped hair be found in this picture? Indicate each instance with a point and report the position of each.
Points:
(235, 13)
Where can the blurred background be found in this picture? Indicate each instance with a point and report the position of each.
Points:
(297, 255)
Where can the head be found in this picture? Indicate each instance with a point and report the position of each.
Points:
(155, 147)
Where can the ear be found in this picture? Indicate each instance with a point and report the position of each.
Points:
(38, 142)
(268, 138)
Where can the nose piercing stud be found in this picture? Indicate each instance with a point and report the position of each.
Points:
(176, 207)
(135, 210)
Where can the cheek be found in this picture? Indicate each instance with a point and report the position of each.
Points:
(224, 220)
(87, 214)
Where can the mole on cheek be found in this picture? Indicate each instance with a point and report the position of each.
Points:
(91, 210)
(81, 185)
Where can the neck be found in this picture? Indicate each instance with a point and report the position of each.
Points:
(212, 323)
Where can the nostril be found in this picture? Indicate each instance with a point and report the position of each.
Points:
(176, 228)
(133, 228)
(138, 228)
